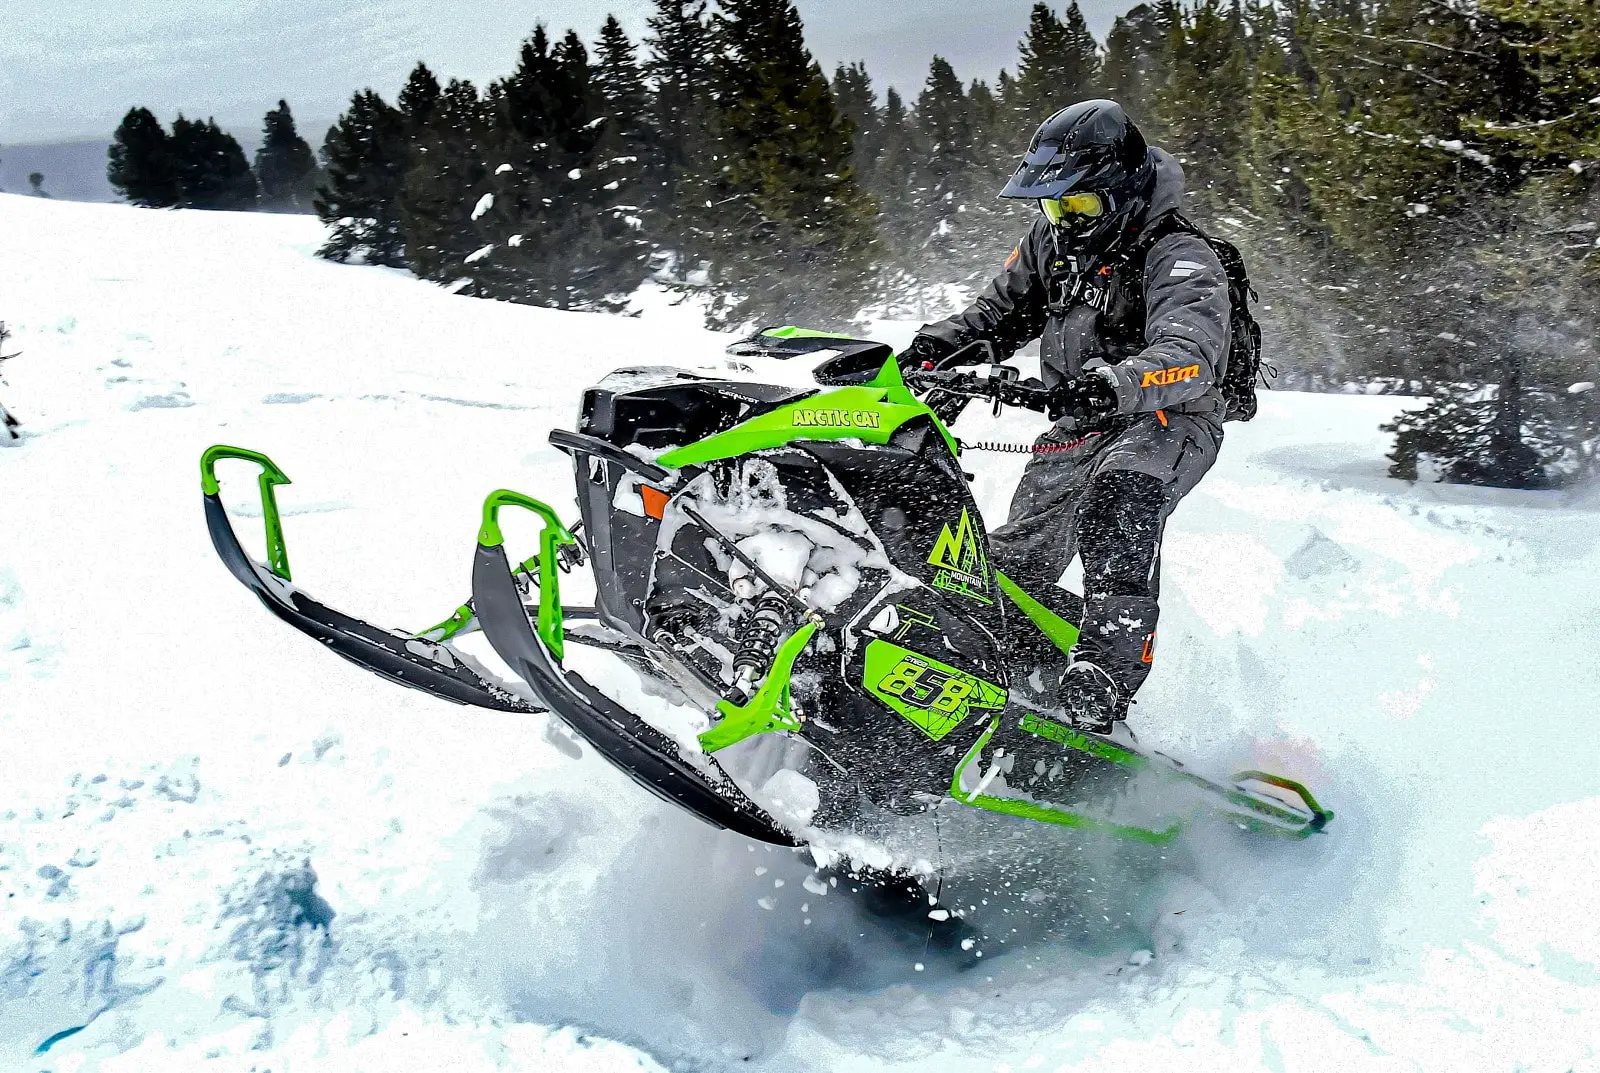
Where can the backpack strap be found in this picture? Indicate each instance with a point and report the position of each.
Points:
(1128, 268)
(1091, 283)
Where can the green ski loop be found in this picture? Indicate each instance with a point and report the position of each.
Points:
(769, 709)
(553, 536)
(271, 477)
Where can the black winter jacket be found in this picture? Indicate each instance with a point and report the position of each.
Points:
(1171, 357)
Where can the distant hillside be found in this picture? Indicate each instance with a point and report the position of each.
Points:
(73, 171)
(76, 170)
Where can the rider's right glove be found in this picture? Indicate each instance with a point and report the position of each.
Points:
(925, 348)
(1088, 397)
(931, 350)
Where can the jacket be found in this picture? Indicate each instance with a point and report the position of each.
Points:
(1167, 353)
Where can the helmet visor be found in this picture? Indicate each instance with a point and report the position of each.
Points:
(1075, 209)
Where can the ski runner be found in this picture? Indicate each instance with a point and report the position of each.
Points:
(1137, 406)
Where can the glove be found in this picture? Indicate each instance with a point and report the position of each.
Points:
(1084, 399)
(932, 350)
(925, 348)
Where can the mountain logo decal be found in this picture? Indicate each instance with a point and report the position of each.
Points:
(962, 566)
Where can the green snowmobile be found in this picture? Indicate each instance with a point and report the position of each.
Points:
(805, 568)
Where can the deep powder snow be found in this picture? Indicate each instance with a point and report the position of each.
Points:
(224, 849)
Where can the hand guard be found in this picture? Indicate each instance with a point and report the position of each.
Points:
(1084, 399)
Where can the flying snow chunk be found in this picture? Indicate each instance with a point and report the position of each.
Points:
(514, 241)
(575, 173)
(485, 203)
(502, 169)
(478, 254)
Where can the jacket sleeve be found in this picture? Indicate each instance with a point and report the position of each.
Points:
(1186, 328)
(1010, 313)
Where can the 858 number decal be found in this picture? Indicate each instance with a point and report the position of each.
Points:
(918, 684)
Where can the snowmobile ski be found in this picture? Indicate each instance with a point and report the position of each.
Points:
(409, 659)
(423, 661)
(534, 650)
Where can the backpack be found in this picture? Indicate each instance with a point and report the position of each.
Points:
(1244, 366)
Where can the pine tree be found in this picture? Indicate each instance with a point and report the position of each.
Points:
(211, 167)
(454, 154)
(1059, 63)
(141, 166)
(1518, 408)
(1559, 45)
(679, 68)
(858, 105)
(419, 97)
(1138, 60)
(1201, 109)
(365, 158)
(945, 121)
(520, 206)
(892, 180)
(627, 167)
(36, 184)
(285, 165)
(793, 233)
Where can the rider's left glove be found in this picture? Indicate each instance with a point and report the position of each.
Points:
(1088, 397)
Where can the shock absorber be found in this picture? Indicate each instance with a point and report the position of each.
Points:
(758, 640)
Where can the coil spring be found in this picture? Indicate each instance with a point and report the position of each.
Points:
(1028, 448)
(758, 641)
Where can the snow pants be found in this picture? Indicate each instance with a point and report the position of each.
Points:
(1105, 497)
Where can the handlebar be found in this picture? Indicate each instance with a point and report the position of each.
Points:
(1001, 386)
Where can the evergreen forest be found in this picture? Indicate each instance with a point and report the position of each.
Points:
(1415, 186)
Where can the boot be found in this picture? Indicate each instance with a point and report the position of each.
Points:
(1090, 699)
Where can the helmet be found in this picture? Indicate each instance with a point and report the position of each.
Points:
(1090, 170)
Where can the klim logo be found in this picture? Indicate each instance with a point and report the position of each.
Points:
(1163, 377)
(836, 418)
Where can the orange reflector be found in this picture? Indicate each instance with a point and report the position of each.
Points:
(655, 501)
(1161, 415)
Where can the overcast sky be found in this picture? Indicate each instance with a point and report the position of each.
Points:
(72, 68)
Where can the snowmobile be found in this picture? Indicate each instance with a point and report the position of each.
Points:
(806, 571)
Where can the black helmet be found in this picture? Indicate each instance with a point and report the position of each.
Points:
(1091, 165)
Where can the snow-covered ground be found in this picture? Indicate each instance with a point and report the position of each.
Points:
(174, 764)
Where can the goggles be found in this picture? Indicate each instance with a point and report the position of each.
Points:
(1075, 207)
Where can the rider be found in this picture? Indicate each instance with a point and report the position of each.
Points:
(1134, 386)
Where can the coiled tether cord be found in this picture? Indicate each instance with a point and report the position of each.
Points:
(1027, 448)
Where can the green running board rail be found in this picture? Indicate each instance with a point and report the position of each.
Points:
(1256, 811)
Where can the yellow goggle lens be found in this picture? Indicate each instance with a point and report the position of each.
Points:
(1085, 204)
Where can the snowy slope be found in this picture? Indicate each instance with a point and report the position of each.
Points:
(171, 757)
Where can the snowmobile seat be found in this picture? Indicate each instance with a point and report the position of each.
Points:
(660, 407)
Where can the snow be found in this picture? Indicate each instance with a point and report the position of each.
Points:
(485, 203)
(175, 760)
